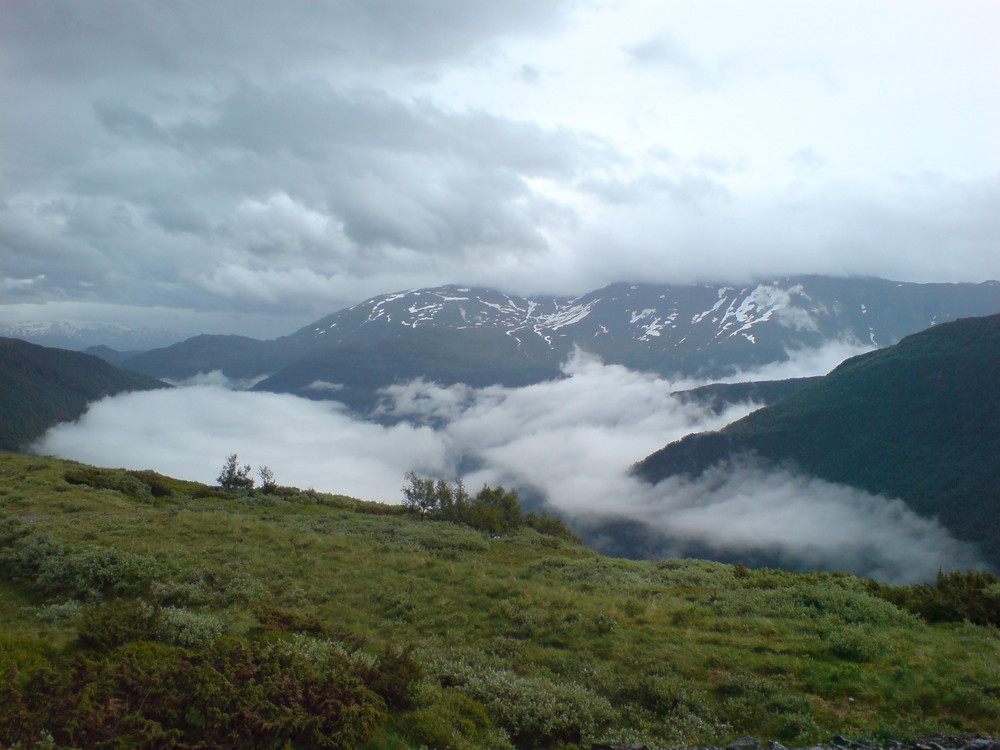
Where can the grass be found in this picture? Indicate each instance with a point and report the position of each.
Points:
(526, 640)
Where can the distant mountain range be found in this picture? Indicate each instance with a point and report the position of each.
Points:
(80, 336)
(42, 386)
(919, 421)
(456, 334)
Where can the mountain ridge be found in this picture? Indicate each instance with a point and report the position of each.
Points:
(697, 330)
(919, 421)
(41, 386)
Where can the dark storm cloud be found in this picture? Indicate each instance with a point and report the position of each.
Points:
(174, 157)
(80, 40)
(296, 157)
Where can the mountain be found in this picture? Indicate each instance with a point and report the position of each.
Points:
(718, 396)
(112, 356)
(140, 610)
(704, 330)
(80, 336)
(42, 386)
(919, 421)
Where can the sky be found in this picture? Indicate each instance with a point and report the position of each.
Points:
(569, 441)
(235, 167)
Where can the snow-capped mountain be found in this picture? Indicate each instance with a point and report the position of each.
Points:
(453, 334)
(701, 328)
(80, 336)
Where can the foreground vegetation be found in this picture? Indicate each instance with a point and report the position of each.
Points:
(144, 611)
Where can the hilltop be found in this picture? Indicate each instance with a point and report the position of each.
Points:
(180, 615)
(918, 421)
(41, 386)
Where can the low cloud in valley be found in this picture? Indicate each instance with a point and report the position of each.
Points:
(570, 441)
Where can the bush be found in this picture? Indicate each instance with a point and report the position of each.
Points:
(231, 694)
(858, 643)
(53, 569)
(128, 483)
(234, 477)
(537, 712)
(116, 623)
(272, 617)
(184, 627)
(445, 719)
(954, 597)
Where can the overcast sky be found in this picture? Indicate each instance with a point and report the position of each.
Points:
(227, 163)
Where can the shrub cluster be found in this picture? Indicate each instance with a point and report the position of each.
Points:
(53, 569)
(141, 485)
(493, 509)
(231, 694)
(972, 596)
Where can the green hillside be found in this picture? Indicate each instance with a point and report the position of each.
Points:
(143, 611)
(41, 386)
(919, 421)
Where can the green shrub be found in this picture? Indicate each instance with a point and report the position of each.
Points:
(445, 719)
(229, 695)
(115, 623)
(538, 712)
(859, 643)
(184, 627)
(953, 597)
(53, 569)
(129, 483)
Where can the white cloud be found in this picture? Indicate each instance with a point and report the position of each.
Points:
(573, 440)
(297, 158)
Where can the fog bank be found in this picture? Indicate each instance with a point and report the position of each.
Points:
(570, 441)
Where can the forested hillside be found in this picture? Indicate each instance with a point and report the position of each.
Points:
(919, 421)
(41, 386)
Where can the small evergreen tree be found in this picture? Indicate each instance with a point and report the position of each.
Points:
(235, 477)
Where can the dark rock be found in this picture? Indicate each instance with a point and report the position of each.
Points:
(744, 743)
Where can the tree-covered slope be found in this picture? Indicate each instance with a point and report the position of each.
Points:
(41, 386)
(143, 611)
(919, 421)
(718, 396)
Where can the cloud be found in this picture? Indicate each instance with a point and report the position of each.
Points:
(217, 379)
(295, 158)
(799, 520)
(569, 441)
(188, 432)
(803, 362)
(323, 386)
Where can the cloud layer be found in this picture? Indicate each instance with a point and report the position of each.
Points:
(570, 441)
(291, 159)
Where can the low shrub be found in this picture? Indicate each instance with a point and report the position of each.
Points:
(538, 712)
(231, 694)
(53, 569)
(972, 596)
(859, 643)
(129, 483)
(446, 719)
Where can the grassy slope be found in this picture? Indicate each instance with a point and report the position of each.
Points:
(41, 386)
(514, 629)
(918, 421)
